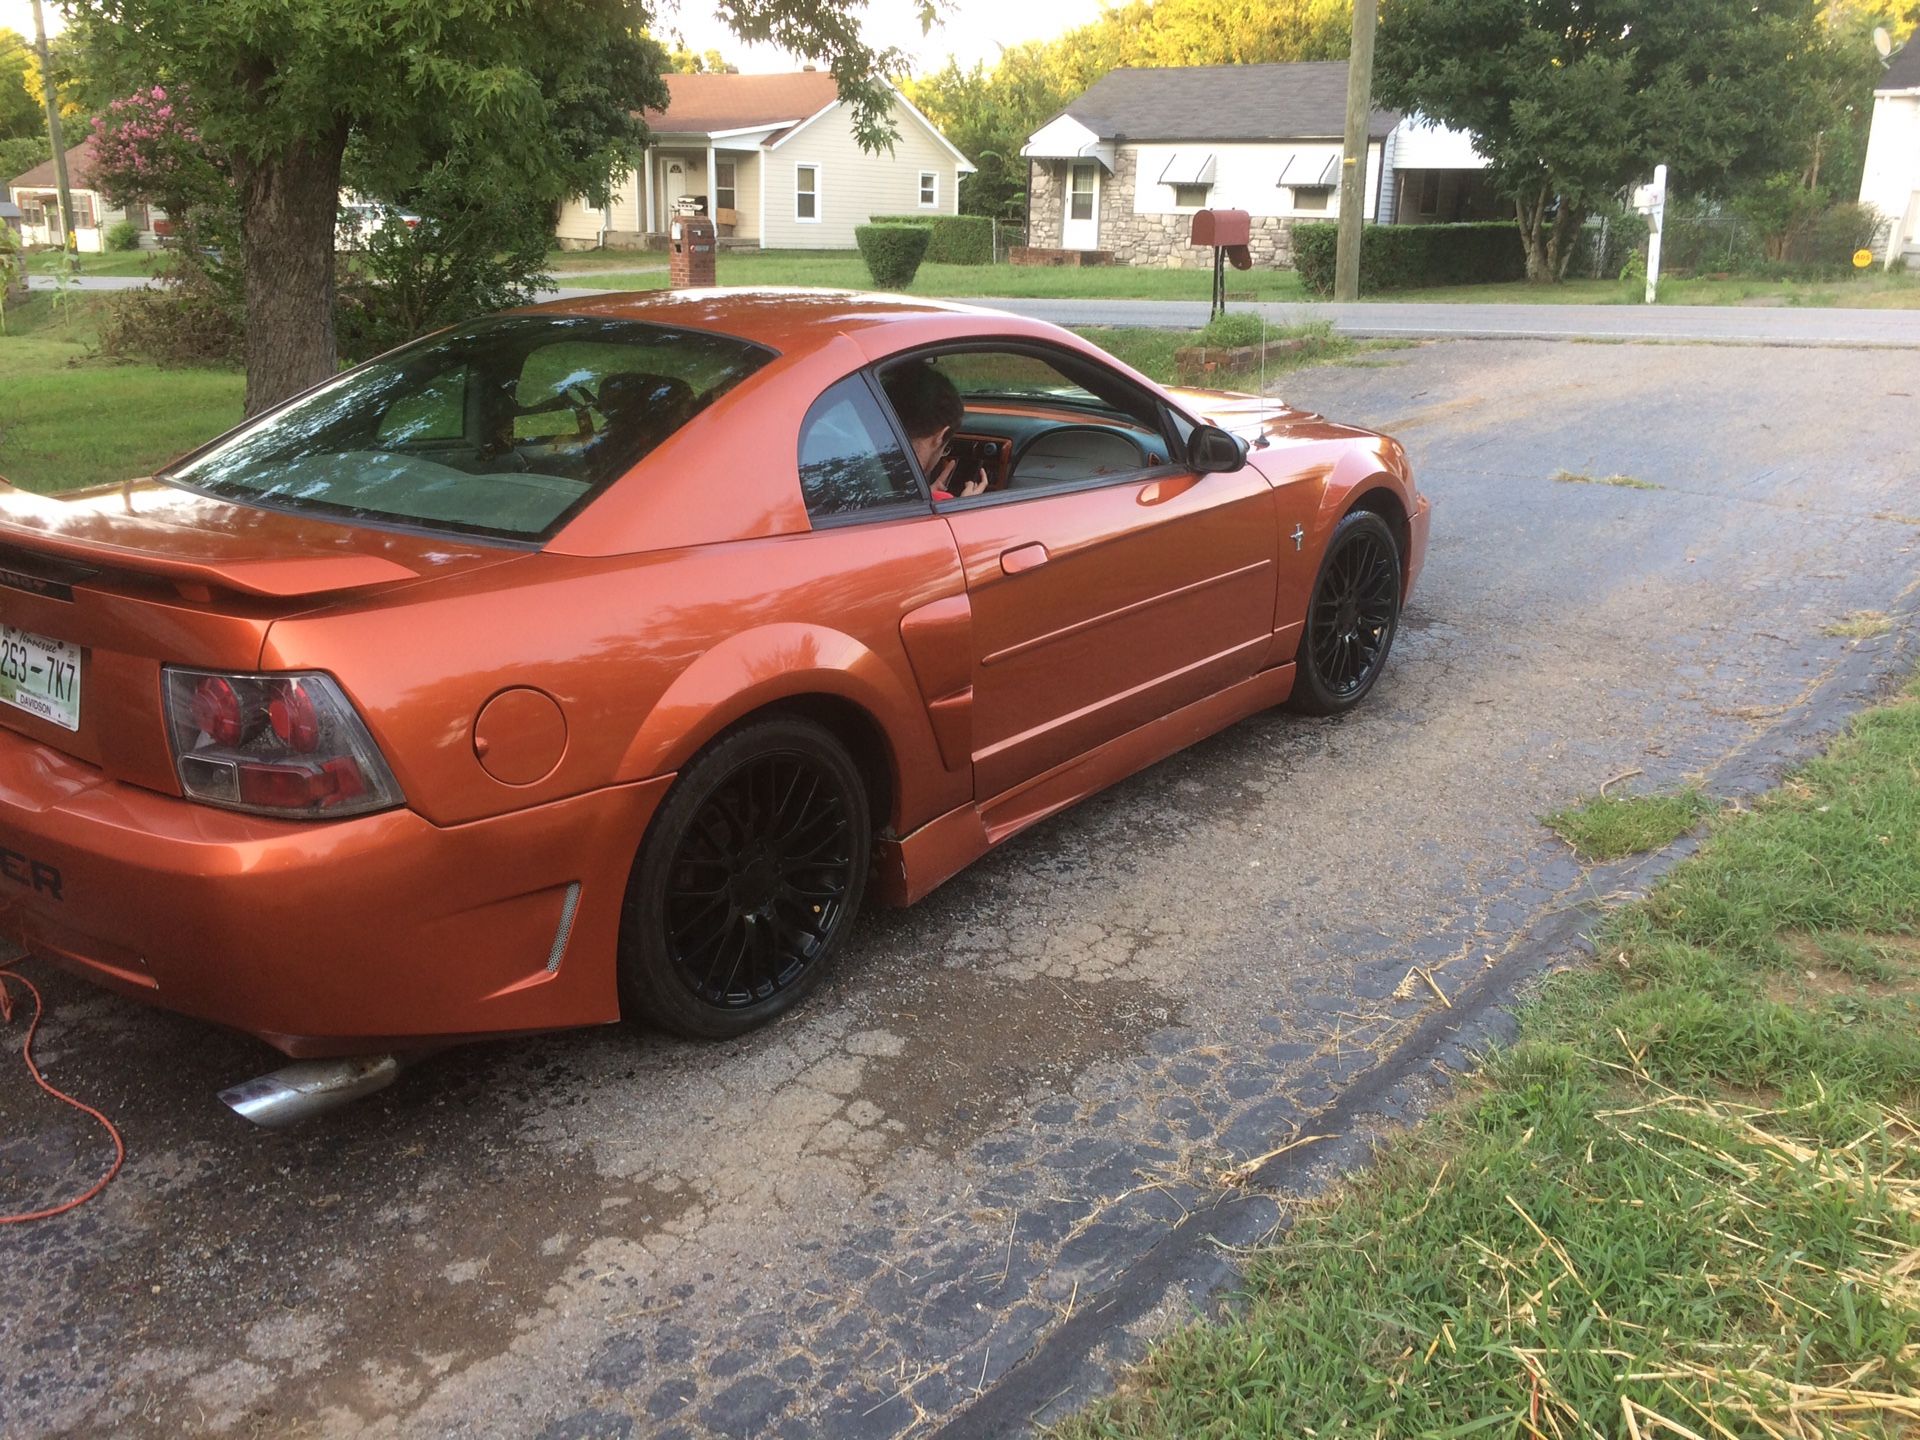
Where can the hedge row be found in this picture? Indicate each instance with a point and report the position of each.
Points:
(1407, 257)
(893, 252)
(957, 239)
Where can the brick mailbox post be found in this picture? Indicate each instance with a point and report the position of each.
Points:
(690, 252)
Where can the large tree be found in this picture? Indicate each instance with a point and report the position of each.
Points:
(20, 113)
(537, 99)
(1573, 101)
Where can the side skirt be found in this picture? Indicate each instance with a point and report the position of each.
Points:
(910, 867)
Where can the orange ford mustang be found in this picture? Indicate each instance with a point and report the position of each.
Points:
(605, 656)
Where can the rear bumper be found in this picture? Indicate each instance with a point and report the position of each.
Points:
(321, 939)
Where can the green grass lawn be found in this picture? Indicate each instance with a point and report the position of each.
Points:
(844, 270)
(1685, 1203)
(1151, 352)
(114, 262)
(1871, 290)
(68, 418)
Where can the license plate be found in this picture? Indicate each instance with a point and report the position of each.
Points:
(40, 676)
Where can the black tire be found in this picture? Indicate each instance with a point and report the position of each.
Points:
(747, 882)
(1351, 618)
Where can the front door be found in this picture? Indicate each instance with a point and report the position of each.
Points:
(1080, 225)
(676, 182)
(1108, 583)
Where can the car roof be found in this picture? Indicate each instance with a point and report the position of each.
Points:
(793, 320)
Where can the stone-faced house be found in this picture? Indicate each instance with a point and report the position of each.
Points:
(774, 161)
(1119, 174)
(1890, 181)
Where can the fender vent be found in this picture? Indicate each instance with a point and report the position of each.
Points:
(560, 937)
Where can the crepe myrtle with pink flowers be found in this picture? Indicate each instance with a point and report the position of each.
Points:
(147, 150)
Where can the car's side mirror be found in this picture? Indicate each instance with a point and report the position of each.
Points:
(1212, 450)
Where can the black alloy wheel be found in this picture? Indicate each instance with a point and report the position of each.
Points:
(1352, 617)
(750, 876)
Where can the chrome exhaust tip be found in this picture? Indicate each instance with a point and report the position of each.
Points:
(311, 1087)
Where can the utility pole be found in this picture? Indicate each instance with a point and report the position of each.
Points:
(67, 239)
(1353, 166)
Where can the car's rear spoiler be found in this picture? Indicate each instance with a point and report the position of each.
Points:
(78, 531)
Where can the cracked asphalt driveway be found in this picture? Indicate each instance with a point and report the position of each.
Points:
(858, 1221)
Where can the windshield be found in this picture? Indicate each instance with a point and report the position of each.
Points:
(502, 427)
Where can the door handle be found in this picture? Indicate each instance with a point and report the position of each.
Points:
(1023, 557)
(1158, 492)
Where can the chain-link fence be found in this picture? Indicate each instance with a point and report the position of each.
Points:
(1006, 235)
(1703, 237)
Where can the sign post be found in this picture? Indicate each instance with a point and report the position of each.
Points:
(1656, 222)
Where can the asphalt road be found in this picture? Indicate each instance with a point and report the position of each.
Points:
(1719, 324)
(1712, 324)
(988, 1127)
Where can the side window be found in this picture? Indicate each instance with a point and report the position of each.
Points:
(1024, 419)
(434, 412)
(849, 458)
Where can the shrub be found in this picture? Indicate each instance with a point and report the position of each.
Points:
(463, 259)
(1609, 243)
(1841, 230)
(956, 239)
(1405, 257)
(123, 235)
(1232, 330)
(188, 321)
(893, 252)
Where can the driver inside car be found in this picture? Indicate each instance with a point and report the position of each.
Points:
(930, 411)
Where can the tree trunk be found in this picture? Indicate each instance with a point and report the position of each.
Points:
(289, 203)
(1531, 213)
(1567, 226)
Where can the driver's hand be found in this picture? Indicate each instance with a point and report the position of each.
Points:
(975, 486)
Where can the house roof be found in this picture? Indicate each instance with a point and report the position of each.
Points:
(709, 104)
(1301, 101)
(79, 170)
(1903, 71)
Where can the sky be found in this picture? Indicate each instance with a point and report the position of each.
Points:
(971, 30)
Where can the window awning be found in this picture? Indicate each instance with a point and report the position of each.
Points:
(1189, 167)
(1310, 172)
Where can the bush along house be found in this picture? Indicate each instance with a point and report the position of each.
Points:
(1118, 175)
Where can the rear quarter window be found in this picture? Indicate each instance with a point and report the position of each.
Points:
(850, 460)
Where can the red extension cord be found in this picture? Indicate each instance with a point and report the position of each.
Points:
(26, 1054)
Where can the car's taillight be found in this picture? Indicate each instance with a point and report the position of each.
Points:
(274, 745)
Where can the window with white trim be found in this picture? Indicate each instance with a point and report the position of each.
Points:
(929, 188)
(1190, 197)
(723, 191)
(1311, 197)
(806, 192)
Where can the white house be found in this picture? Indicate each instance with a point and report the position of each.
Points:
(774, 161)
(1119, 173)
(1891, 181)
(37, 193)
